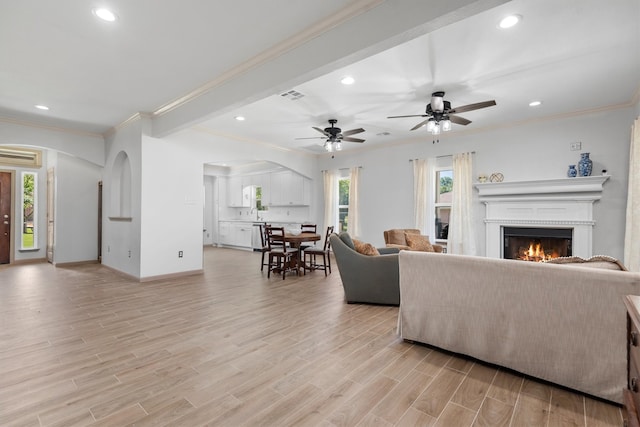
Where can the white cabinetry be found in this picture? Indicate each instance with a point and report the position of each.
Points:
(235, 233)
(288, 188)
(234, 191)
(225, 232)
(243, 235)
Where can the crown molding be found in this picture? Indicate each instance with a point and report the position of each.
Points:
(14, 121)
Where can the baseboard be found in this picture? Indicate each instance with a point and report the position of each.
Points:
(172, 275)
(75, 263)
(28, 261)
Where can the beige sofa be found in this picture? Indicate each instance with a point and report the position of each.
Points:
(562, 323)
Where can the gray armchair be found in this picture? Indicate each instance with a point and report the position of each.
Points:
(367, 279)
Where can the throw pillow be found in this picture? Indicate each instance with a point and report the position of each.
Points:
(418, 242)
(365, 248)
(396, 237)
(596, 261)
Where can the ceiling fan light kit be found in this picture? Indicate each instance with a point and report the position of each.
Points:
(334, 136)
(441, 115)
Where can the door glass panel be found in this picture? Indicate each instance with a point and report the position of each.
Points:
(28, 210)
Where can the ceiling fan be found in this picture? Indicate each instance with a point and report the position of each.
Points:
(441, 115)
(334, 136)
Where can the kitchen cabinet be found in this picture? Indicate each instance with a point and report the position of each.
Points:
(288, 188)
(283, 188)
(224, 232)
(234, 191)
(242, 235)
(235, 233)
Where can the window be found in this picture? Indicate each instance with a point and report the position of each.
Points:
(259, 205)
(343, 204)
(443, 196)
(29, 210)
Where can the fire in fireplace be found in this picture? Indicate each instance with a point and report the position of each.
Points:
(536, 244)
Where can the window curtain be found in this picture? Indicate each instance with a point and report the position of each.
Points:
(632, 229)
(420, 179)
(461, 231)
(353, 224)
(330, 181)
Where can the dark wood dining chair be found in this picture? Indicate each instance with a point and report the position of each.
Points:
(308, 228)
(312, 255)
(264, 249)
(282, 258)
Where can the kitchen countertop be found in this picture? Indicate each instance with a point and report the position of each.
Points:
(254, 221)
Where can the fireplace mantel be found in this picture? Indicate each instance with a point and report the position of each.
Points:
(564, 202)
(583, 187)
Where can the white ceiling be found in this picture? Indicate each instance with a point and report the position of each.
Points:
(204, 64)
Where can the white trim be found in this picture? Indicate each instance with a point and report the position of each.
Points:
(565, 202)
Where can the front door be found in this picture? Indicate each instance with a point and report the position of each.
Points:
(5, 217)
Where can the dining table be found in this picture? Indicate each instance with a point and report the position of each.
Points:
(295, 240)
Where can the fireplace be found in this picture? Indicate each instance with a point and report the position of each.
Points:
(551, 204)
(535, 243)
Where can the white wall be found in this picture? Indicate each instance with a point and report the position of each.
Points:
(81, 146)
(121, 237)
(85, 146)
(76, 225)
(172, 208)
(173, 196)
(524, 152)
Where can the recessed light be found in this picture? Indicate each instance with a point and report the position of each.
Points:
(42, 107)
(105, 14)
(509, 21)
(239, 118)
(347, 80)
(535, 103)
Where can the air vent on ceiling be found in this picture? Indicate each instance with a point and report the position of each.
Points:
(383, 134)
(292, 95)
(20, 156)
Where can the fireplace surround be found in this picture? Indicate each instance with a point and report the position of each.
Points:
(565, 203)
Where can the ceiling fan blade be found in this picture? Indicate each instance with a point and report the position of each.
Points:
(412, 115)
(313, 137)
(472, 107)
(459, 120)
(352, 132)
(419, 125)
(350, 139)
(321, 131)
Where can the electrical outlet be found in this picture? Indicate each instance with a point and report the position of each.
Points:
(576, 146)
(180, 254)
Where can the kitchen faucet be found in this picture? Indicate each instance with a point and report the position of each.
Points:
(257, 213)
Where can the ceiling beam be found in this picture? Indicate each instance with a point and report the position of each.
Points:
(363, 29)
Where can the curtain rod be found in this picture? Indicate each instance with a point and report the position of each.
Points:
(341, 169)
(440, 157)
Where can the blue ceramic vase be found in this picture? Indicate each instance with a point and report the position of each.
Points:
(585, 165)
(572, 172)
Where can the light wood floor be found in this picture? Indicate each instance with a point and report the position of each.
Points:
(83, 346)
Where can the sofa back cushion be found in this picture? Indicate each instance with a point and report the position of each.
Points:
(597, 261)
(346, 238)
